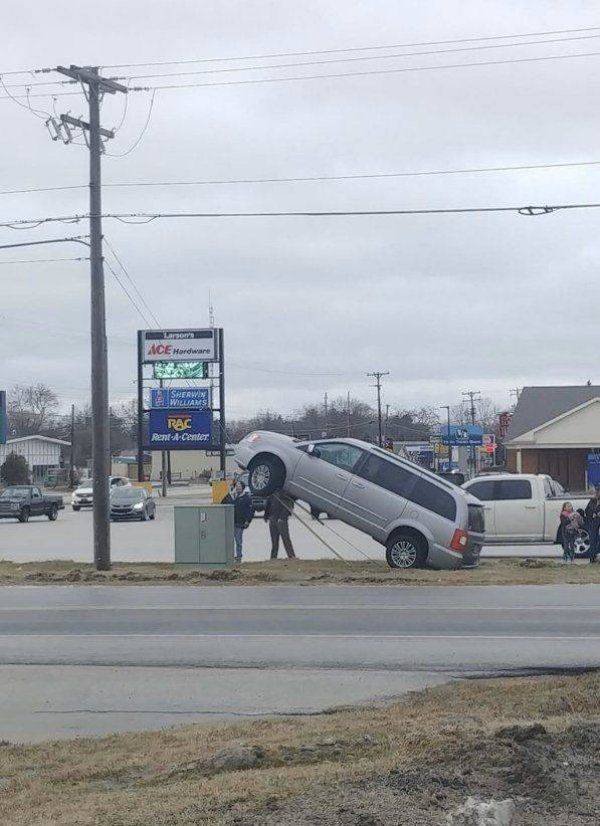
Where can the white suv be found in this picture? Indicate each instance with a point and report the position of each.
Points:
(83, 496)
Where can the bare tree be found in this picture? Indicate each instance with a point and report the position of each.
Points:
(31, 409)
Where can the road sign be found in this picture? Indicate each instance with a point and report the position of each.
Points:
(182, 398)
(179, 345)
(180, 430)
(461, 434)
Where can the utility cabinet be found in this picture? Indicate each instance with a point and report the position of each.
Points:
(204, 535)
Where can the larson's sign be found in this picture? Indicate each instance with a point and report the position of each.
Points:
(179, 345)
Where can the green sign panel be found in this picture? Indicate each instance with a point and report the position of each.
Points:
(180, 370)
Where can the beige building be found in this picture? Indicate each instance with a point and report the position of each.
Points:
(191, 465)
(553, 430)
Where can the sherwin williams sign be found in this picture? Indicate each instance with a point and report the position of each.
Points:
(190, 398)
(179, 345)
(180, 429)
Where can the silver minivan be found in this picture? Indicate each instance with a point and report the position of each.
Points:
(419, 517)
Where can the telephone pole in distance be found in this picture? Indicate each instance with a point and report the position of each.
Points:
(473, 396)
(378, 376)
(96, 87)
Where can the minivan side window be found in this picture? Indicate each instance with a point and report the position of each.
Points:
(513, 489)
(399, 480)
(339, 454)
(387, 475)
(483, 490)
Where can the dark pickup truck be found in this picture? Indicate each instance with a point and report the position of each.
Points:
(22, 501)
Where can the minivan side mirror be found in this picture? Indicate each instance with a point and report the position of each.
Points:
(313, 450)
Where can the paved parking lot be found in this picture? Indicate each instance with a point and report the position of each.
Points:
(70, 537)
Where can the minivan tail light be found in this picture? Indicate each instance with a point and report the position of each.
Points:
(459, 540)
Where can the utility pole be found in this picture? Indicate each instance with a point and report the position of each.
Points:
(326, 412)
(378, 376)
(349, 427)
(97, 87)
(473, 396)
(385, 428)
(446, 407)
(72, 456)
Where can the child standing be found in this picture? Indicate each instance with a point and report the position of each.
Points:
(571, 522)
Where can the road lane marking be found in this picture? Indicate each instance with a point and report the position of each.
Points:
(296, 607)
(325, 635)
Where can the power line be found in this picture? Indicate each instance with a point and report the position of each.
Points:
(350, 59)
(311, 178)
(131, 281)
(148, 217)
(40, 260)
(127, 293)
(368, 72)
(335, 75)
(29, 85)
(140, 136)
(478, 39)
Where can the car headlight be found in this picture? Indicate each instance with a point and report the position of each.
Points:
(138, 506)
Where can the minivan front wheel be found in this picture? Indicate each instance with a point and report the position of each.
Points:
(405, 550)
(266, 475)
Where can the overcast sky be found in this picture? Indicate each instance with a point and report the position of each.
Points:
(310, 305)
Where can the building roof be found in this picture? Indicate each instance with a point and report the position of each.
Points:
(39, 438)
(538, 405)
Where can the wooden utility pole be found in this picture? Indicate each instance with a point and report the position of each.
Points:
(378, 376)
(72, 455)
(97, 86)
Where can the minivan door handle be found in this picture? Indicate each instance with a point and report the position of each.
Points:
(358, 485)
(341, 476)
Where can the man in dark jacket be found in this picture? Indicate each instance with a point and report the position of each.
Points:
(592, 519)
(277, 513)
(240, 498)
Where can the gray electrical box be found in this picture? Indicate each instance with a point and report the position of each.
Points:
(204, 535)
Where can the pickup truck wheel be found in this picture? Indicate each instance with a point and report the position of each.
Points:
(405, 550)
(53, 513)
(24, 515)
(266, 475)
(581, 545)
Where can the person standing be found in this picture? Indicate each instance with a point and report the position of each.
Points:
(571, 522)
(239, 496)
(592, 516)
(277, 513)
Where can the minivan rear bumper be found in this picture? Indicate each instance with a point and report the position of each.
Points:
(441, 557)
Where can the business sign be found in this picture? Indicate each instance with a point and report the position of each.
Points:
(180, 430)
(504, 420)
(461, 434)
(188, 398)
(180, 369)
(3, 423)
(179, 345)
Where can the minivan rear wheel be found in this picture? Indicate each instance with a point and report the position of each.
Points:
(405, 550)
(266, 475)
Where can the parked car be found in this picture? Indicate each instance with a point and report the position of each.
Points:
(523, 507)
(127, 502)
(83, 496)
(420, 518)
(22, 501)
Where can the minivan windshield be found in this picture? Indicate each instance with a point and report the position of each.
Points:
(126, 494)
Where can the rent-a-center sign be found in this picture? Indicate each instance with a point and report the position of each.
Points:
(180, 345)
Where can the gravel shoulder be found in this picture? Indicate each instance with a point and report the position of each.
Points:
(533, 740)
(302, 572)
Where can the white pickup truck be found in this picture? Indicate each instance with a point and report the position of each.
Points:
(521, 507)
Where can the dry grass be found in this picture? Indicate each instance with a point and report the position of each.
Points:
(172, 776)
(303, 572)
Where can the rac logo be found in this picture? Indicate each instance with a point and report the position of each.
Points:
(160, 350)
(179, 423)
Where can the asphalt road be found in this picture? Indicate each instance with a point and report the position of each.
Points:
(70, 537)
(90, 660)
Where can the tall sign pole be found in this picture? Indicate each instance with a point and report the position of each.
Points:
(96, 87)
(140, 406)
(223, 439)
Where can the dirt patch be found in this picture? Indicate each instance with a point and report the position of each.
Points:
(301, 572)
(411, 763)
